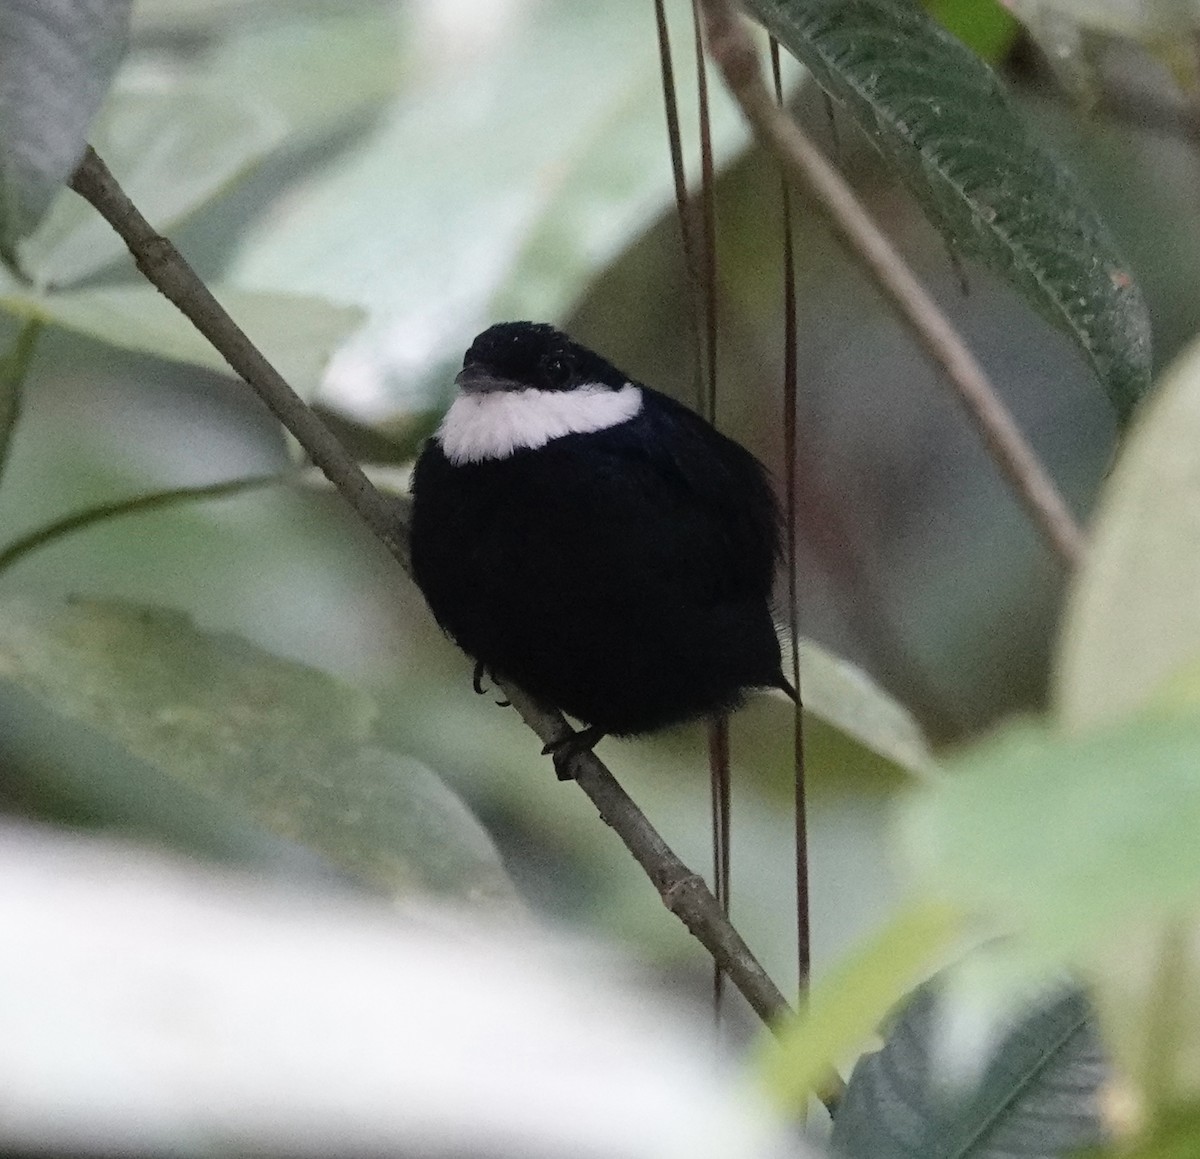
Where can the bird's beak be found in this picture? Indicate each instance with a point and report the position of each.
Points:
(474, 379)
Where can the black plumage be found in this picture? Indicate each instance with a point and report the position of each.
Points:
(622, 575)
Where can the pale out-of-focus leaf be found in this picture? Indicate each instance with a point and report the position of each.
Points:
(1133, 618)
(173, 149)
(152, 1006)
(939, 116)
(1036, 1097)
(298, 334)
(1083, 849)
(1065, 838)
(524, 219)
(283, 745)
(317, 68)
(56, 60)
(164, 18)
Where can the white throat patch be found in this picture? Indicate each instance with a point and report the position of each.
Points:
(494, 424)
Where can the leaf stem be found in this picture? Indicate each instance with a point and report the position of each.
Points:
(79, 520)
(14, 368)
(735, 54)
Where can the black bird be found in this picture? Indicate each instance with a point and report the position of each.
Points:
(595, 541)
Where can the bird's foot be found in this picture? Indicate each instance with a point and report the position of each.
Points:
(566, 748)
(477, 683)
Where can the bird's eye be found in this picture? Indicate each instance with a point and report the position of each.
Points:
(558, 370)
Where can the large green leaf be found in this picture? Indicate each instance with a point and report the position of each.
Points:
(1064, 837)
(1083, 849)
(1133, 619)
(940, 117)
(56, 58)
(1036, 1098)
(282, 744)
(523, 219)
(173, 148)
(297, 334)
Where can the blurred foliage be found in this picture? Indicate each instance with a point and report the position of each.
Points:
(425, 168)
(282, 745)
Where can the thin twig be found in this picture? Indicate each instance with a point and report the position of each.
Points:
(735, 54)
(720, 781)
(683, 892)
(791, 454)
(679, 177)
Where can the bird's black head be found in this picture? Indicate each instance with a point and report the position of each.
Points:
(533, 355)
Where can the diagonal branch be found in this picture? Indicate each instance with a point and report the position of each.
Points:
(730, 45)
(682, 891)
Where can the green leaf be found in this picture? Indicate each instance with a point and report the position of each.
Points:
(297, 334)
(1036, 1098)
(173, 149)
(843, 696)
(1065, 838)
(57, 58)
(1084, 850)
(523, 220)
(847, 1005)
(283, 744)
(940, 117)
(982, 25)
(1133, 619)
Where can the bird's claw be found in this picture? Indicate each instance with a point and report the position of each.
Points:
(477, 683)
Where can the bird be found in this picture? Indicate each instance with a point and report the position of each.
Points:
(595, 541)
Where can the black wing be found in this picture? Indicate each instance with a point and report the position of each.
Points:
(728, 519)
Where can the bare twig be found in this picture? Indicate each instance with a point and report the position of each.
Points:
(734, 52)
(683, 892)
(791, 454)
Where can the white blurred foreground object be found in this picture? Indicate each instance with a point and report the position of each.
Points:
(150, 1006)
